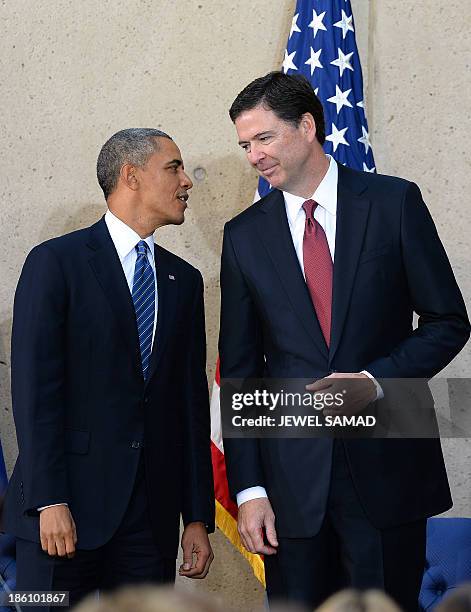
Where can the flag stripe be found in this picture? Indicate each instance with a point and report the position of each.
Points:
(221, 488)
(228, 525)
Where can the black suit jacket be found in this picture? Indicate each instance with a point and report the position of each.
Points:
(83, 412)
(389, 262)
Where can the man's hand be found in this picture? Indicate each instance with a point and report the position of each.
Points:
(57, 531)
(197, 552)
(357, 390)
(256, 515)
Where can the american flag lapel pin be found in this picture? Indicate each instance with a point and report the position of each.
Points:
(171, 277)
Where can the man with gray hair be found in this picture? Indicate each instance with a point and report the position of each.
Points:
(110, 396)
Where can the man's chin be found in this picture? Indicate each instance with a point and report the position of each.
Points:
(179, 220)
(274, 180)
(173, 221)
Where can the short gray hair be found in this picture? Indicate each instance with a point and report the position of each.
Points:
(130, 146)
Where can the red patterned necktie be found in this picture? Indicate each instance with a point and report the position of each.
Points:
(318, 268)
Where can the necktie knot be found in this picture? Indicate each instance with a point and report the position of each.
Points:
(309, 208)
(141, 247)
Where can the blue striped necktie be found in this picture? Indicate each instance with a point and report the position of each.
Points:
(143, 297)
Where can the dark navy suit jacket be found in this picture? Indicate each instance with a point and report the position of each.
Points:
(84, 413)
(389, 262)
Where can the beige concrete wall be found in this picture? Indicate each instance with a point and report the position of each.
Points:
(419, 114)
(73, 73)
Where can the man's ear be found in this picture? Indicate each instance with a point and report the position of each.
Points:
(308, 126)
(128, 176)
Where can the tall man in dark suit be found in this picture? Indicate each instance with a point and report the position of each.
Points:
(109, 389)
(320, 280)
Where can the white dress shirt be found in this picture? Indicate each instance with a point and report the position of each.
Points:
(326, 214)
(125, 240)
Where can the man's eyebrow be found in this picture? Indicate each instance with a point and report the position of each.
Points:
(175, 162)
(258, 135)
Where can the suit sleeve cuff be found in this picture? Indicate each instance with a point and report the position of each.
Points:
(249, 494)
(379, 390)
(51, 506)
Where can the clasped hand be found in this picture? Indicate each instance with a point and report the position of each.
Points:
(357, 390)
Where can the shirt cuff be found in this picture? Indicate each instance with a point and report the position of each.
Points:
(379, 391)
(51, 506)
(249, 494)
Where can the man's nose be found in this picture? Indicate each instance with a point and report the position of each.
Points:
(255, 155)
(186, 181)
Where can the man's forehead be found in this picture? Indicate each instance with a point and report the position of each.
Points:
(167, 149)
(256, 120)
(258, 113)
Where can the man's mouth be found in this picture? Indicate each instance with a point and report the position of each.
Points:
(267, 171)
(183, 197)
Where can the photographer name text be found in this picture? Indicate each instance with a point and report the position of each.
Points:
(312, 420)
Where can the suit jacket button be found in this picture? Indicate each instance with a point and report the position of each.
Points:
(146, 400)
(135, 444)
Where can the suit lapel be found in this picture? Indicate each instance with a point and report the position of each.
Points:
(352, 217)
(274, 232)
(167, 294)
(109, 272)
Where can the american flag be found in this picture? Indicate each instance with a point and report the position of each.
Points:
(321, 46)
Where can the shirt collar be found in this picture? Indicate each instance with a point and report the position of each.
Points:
(124, 237)
(325, 194)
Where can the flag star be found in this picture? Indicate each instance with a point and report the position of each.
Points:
(366, 169)
(365, 139)
(360, 104)
(345, 24)
(294, 25)
(313, 61)
(288, 62)
(337, 137)
(340, 99)
(316, 91)
(316, 23)
(343, 61)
